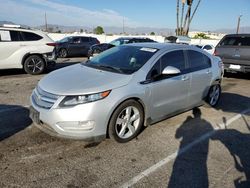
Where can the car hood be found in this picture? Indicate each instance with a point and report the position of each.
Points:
(79, 79)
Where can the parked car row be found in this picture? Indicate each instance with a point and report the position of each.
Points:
(34, 51)
(98, 48)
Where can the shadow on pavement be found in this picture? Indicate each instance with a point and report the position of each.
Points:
(245, 76)
(61, 64)
(232, 102)
(190, 167)
(238, 145)
(13, 119)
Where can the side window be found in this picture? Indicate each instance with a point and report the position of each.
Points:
(76, 40)
(245, 41)
(207, 61)
(28, 36)
(175, 59)
(84, 39)
(197, 61)
(207, 47)
(155, 70)
(5, 36)
(16, 36)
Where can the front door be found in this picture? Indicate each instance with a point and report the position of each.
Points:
(168, 94)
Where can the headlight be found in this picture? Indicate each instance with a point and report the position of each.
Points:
(82, 99)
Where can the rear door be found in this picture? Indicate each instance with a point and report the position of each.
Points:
(244, 50)
(74, 47)
(85, 45)
(200, 69)
(10, 43)
(168, 94)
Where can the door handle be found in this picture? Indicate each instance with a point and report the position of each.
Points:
(208, 72)
(184, 78)
(22, 45)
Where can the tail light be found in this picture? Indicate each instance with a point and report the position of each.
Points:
(215, 53)
(51, 44)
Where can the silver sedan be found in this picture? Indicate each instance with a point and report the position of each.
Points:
(122, 89)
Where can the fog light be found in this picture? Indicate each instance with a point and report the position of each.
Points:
(75, 126)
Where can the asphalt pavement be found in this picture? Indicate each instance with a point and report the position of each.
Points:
(205, 147)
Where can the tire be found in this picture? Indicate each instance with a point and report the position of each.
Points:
(214, 94)
(34, 65)
(126, 121)
(63, 53)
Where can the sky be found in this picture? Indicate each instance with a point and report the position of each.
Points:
(211, 14)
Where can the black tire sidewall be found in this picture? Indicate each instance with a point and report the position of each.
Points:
(27, 70)
(208, 96)
(63, 49)
(118, 110)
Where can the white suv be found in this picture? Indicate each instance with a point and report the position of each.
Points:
(31, 50)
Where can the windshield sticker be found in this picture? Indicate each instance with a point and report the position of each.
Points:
(149, 49)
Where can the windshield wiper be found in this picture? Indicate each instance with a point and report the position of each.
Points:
(111, 68)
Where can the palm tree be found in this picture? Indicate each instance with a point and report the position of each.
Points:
(183, 28)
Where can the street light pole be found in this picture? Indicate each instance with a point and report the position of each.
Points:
(238, 25)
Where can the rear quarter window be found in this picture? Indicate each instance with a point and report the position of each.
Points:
(197, 61)
(230, 41)
(28, 36)
(4, 36)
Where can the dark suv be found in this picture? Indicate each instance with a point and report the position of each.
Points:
(234, 50)
(96, 49)
(75, 46)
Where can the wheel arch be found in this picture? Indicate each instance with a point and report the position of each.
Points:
(137, 99)
(30, 54)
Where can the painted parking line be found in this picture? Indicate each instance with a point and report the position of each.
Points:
(173, 156)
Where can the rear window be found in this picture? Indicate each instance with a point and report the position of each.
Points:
(236, 41)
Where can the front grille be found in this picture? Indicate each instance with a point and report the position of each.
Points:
(43, 99)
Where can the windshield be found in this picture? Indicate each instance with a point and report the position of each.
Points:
(66, 39)
(118, 42)
(122, 59)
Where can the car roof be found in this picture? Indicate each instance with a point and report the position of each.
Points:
(22, 29)
(129, 38)
(160, 46)
(238, 35)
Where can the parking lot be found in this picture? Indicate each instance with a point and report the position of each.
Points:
(199, 148)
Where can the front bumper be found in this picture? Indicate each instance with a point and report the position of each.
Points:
(86, 122)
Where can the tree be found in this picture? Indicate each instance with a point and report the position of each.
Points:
(201, 36)
(81, 30)
(152, 33)
(98, 30)
(183, 26)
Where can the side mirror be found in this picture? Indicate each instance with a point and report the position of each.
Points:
(169, 70)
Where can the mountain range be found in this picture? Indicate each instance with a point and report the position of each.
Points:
(118, 30)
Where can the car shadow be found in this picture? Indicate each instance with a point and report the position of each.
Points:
(13, 118)
(245, 76)
(232, 102)
(61, 64)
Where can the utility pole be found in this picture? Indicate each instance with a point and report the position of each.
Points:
(123, 30)
(46, 25)
(238, 25)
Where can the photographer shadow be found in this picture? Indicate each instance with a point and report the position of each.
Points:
(238, 144)
(190, 167)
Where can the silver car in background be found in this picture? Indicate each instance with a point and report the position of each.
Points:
(124, 88)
